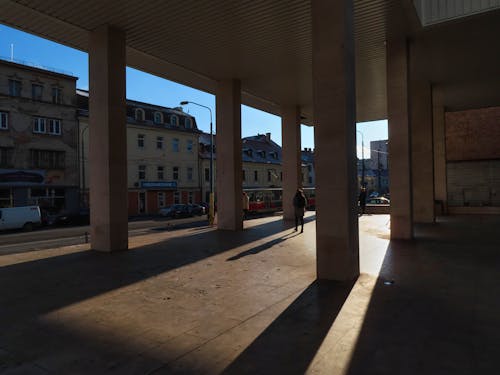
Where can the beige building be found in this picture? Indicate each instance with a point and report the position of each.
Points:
(38, 138)
(162, 151)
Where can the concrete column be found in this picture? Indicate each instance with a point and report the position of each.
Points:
(292, 177)
(399, 140)
(440, 189)
(229, 165)
(422, 158)
(337, 250)
(107, 140)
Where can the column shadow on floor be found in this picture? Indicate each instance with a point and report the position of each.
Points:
(290, 343)
(435, 306)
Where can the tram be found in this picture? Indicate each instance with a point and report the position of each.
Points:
(265, 200)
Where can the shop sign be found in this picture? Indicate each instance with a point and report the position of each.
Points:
(13, 177)
(159, 184)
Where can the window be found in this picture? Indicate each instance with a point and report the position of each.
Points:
(38, 125)
(160, 172)
(5, 198)
(187, 123)
(159, 143)
(309, 168)
(207, 174)
(174, 120)
(175, 174)
(281, 176)
(310, 180)
(4, 120)
(161, 199)
(50, 126)
(177, 197)
(47, 159)
(54, 127)
(175, 145)
(142, 172)
(56, 95)
(243, 175)
(139, 114)
(14, 87)
(140, 140)
(190, 174)
(268, 176)
(255, 175)
(189, 146)
(36, 91)
(190, 197)
(6, 154)
(158, 118)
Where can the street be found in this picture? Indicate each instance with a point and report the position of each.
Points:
(44, 238)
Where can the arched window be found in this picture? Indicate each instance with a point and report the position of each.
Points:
(139, 114)
(187, 123)
(174, 120)
(158, 118)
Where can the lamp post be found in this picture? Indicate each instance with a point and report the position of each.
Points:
(211, 203)
(362, 158)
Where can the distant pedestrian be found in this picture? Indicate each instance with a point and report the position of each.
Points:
(299, 205)
(362, 200)
(246, 205)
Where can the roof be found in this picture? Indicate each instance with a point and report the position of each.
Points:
(259, 148)
(267, 45)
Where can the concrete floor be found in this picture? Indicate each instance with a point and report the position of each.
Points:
(199, 301)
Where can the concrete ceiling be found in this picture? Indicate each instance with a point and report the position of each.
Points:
(265, 43)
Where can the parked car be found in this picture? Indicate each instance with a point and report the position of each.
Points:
(175, 211)
(378, 200)
(26, 217)
(81, 217)
(196, 209)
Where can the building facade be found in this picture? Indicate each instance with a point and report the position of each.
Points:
(162, 152)
(262, 163)
(38, 138)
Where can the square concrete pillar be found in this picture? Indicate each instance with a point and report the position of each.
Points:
(337, 245)
(107, 140)
(440, 187)
(422, 159)
(229, 165)
(292, 176)
(399, 140)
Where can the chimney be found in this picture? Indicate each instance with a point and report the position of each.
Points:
(268, 137)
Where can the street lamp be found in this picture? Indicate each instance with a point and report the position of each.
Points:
(211, 203)
(362, 158)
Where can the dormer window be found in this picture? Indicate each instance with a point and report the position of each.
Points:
(249, 152)
(139, 114)
(158, 118)
(262, 154)
(187, 123)
(174, 120)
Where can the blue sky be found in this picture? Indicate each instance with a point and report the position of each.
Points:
(151, 89)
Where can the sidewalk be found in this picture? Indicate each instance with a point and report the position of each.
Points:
(201, 301)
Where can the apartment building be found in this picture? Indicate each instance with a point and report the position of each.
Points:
(38, 137)
(162, 151)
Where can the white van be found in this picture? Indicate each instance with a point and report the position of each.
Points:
(20, 217)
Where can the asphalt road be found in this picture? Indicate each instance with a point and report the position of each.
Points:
(46, 238)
